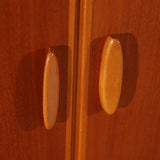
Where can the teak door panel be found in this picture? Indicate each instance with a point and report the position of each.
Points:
(132, 132)
(27, 29)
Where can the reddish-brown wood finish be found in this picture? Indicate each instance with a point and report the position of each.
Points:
(133, 132)
(27, 29)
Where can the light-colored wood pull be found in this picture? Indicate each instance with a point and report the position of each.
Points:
(50, 90)
(110, 78)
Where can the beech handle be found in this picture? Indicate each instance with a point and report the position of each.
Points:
(110, 77)
(50, 90)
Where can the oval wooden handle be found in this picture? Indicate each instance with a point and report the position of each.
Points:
(50, 90)
(110, 78)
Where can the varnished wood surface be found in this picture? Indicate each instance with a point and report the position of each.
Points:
(133, 131)
(82, 77)
(27, 29)
(50, 90)
(110, 75)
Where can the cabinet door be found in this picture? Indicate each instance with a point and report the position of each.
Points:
(27, 29)
(132, 132)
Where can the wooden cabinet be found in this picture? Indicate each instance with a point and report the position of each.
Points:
(133, 131)
(77, 31)
(27, 29)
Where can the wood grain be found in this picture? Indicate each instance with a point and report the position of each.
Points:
(82, 77)
(28, 28)
(72, 77)
(133, 131)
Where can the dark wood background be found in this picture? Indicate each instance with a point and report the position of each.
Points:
(133, 132)
(27, 29)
